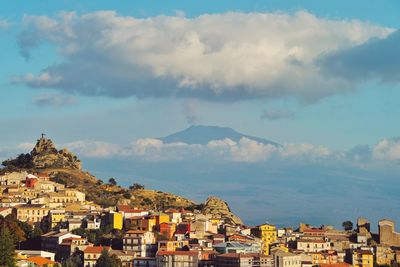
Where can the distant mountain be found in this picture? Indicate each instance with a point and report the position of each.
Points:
(199, 134)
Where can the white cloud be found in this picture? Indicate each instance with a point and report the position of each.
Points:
(307, 150)
(45, 79)
(387, 149)
(226, 56)
(246, 150)
(95, 149)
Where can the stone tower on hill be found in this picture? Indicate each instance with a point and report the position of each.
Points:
(45, 155)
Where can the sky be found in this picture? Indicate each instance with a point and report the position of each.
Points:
(322, 78)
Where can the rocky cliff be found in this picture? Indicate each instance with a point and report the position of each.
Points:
(219, 209)
(45, 155)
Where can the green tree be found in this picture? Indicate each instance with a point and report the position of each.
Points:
(127, 195)
(112, 181)
(105, 260)
(7, 248)
(136, 186)
(347, 225)
(76, 259)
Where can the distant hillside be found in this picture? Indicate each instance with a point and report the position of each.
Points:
(199, 134)
(64, 167)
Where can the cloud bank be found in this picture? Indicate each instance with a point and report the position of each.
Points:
(54, 100)
(222, 57)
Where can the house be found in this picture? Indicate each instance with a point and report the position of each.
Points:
(143, 243)
(172, 245)
(268, 235)
(175, 215)
(116, 220)
(69, 245)
(287, 259)
(31, 212)
(125, 257)
(34, 253)
(51, 241)
(167, 229)
(243, 260)
(313, 245)
(144, 262)
(362, 258)
(128, 212)
(56, 217)
(236, 247)
(177, 258)
(91, 254)
(5, 211)
(40, 261)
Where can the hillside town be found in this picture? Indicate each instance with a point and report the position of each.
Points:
(61, 228)
(54, 214)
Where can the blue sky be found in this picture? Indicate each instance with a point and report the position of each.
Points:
(100, 75)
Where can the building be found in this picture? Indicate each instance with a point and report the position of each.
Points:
(167, 229)
(328, 257)
(243, 260)
(236, 247)
(56, 217)
(362, 258)
(116, 220)
(177, 258)
(91, 254)
(313, 245)
(384, 255)
(268, 235)
(387, 234)
(143, 243)
(128, 212)
(51, 241)
(172, 245)
(124, 257)
(144, 262)
(31, 212)
(287, 259)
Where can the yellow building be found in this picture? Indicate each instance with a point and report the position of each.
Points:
(268, 235)
(172, 245)
(117, 220)
(363, 258)
(56, 217)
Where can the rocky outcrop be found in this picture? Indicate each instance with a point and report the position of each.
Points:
(45, 155)
(219, 209)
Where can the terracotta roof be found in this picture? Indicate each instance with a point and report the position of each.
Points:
(97, 249)
(40, 261)
(189, 253)
(127, 208)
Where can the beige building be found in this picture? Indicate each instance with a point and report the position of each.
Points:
(313, 245)
(31, 212)
(287, 259)
(143, 243)
(91, 254)
(177, 258)
(387, 234)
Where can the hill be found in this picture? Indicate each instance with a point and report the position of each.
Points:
(62, 166)
(199, 134)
